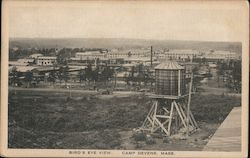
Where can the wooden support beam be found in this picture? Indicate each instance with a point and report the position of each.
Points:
(148, 114)
(162, 127)
(182, 112)
(154, 116)
(192, 117)
(178, 110)
(170, 119)
(162, 124)
(163, 116)
(166, 110)
(150, 120)
(185, 117)
(146, 129)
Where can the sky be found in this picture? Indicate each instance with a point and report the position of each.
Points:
(140, 20)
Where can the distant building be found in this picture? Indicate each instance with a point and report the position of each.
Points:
(25, 68)
(46, 60)
(16, 63)
(178, 54)
(137, 53)
(90, 55)
(15, 48)
(220, 55)
(26, 61)
(34, 56)
(135, 60)
(21, 62)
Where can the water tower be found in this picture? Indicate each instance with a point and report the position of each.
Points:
(170, 110)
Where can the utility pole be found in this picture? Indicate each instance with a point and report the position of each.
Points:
(188, 105)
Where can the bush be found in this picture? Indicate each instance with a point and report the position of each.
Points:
(139, 136)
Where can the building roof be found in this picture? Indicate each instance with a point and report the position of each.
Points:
(169, 65)
(182, 51)
(122, 74)
(25, 60)
(25, 68)
(77, 67)
(128, 65)
(35, 55)
(90, 53)
(137, 59)
(47, 57)
(74, 58)
(16, 63)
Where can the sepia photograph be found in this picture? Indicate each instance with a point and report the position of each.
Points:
(124, 78)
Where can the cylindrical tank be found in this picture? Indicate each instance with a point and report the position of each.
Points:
(170, 79)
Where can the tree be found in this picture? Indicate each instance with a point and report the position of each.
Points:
(13, 76)
(52, 77)
(204, 60)
(63, 74)
(196, 80)
(82, 75)
(66, 74)
(236, 76)
(132, 74)
(140, 77)
(89, 72)
(222, 67)
(63, 55)
(60, 74)
(146, 79)
(95, 74)
(129, 54)
(107, 74)
(127, 78)
(28, 78)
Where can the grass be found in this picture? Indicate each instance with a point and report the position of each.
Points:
(51, 120)
(213, 108)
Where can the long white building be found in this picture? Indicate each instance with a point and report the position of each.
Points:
(175, 54)
(178, 54)
(46, 60)
(221, 55)
(137, 53)
(90, 55)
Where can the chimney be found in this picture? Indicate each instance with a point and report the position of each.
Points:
(151, 57)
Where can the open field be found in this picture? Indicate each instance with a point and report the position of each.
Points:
(44, 119)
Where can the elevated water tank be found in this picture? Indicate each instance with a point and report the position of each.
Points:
(170, 79)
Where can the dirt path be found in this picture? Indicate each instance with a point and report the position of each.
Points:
(61, 90)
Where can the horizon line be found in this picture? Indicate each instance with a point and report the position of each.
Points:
(122, 38)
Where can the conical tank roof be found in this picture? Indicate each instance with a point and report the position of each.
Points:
(169, 65)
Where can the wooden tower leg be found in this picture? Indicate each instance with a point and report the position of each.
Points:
(154, 116)
(148, 116)
(154, 122)
(180, 114)
(170, 119)
(149, 121)
(191, 117)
